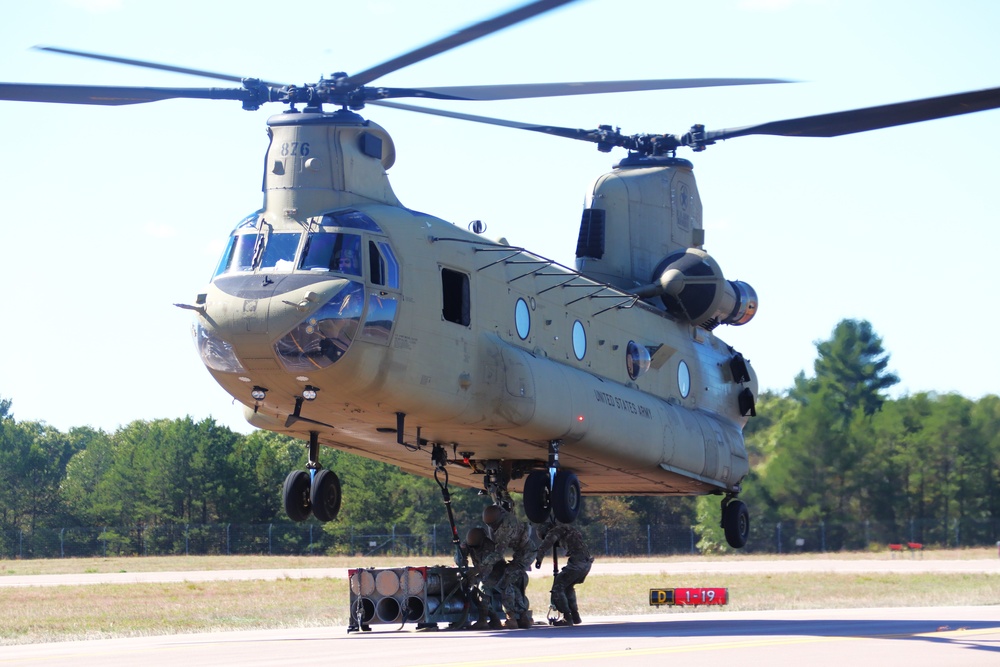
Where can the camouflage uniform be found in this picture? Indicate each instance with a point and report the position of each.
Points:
(485, 576)
(574, 572)
(509, 533)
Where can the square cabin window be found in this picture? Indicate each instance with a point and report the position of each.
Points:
(455, 289)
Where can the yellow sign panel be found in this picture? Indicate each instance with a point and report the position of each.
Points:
(659, 596)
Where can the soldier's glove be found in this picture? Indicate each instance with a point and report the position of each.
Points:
(538, 564)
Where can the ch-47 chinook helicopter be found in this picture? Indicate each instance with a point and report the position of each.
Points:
(341, 317)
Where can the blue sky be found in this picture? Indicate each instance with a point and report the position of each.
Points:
(113, 214)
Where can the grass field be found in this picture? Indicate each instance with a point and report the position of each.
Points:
(37, 614)
(207, 563)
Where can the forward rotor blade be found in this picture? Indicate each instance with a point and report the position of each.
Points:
(569, 133)
(110, 95)
(870, 118)
(151, 65)
(473, 32)
(527, 90)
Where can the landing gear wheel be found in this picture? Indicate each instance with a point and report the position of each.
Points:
(736, 523)
(324, 495)
(296, 495)
(566, 498)
(536, 496)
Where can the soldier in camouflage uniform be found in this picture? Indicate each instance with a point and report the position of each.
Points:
(509, 533)
(573, 573)
(485, 577)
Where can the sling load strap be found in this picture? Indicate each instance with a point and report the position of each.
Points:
(460, 557)
(554, 613)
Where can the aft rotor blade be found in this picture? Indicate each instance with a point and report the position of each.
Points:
(151, 65)
(870, 118)
(110, 95)
(473, 32)
(527, 90)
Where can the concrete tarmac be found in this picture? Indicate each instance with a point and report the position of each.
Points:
(912, 637)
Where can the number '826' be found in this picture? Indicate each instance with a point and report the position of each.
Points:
(294, 148)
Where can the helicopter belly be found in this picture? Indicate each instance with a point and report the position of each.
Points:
(608, 423)
(509, 405)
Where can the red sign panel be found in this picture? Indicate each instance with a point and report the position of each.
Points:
(701, 596)
(688, 596)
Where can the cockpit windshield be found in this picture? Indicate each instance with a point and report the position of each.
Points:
(246, 251)
(279, 252)
(255, 246)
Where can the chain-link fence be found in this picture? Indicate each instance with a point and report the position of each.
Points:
(166, 540)
(820, 536)
(310, 538)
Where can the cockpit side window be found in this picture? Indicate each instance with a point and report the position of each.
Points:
(332, 252)
(227, 256)
(376, 264)
(383, 264)
(391, 266)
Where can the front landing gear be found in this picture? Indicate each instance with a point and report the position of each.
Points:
(313, 491)
(324, 495)
(735, 522)
(295, 494)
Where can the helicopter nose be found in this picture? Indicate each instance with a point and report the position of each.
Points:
(323, 336)
(246, 318)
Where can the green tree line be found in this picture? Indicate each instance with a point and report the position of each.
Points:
(832, 453)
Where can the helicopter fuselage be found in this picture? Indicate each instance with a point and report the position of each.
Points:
(338, 312)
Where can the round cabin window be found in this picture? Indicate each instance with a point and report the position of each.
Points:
(636, 359)
(579, 340)
(683, 379)
(522, 319)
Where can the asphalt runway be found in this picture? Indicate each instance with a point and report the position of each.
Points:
(911, 637)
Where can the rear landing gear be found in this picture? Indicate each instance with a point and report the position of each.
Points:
(536, 497)
(566, 498)
(314, 491)
(554, 490)
(735, 522)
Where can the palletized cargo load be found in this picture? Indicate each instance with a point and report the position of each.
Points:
(422, 595)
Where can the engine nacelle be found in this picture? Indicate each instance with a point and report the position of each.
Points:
(692, 287)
